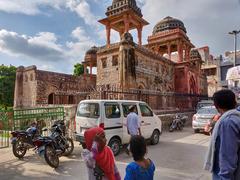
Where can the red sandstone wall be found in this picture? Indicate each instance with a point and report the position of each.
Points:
(33, 87)
(62, 86)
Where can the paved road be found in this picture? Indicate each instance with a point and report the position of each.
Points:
(178, 156)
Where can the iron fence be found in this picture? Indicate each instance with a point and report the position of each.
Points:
(160, 102)
(4, 128)
(21, 119)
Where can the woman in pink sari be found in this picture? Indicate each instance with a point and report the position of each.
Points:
(99, 156)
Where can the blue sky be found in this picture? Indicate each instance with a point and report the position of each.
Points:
(54, 34)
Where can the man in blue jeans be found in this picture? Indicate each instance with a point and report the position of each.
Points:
(223, 157)
(133, 124)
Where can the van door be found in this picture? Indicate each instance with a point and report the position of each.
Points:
(125, 108)
(87, 116)
(147, 120)
(113, 124)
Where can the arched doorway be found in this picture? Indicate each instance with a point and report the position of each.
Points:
(70, 99)
(51, 98)
(193, 87)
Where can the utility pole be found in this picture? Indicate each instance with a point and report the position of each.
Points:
(235, 32)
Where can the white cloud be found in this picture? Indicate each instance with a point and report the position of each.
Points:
(80, 34)
(33, 7)
(29, 7)
(82, 8)
(46, 39)
(84, 42)
(42, 47)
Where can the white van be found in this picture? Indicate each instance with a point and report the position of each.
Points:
(111, 115)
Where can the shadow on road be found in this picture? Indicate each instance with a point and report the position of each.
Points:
(34, 167)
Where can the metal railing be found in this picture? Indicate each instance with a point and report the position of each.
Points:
(21, 119)
(160, 102)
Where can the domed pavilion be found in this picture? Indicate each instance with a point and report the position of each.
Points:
(123, 16)
(169, 36)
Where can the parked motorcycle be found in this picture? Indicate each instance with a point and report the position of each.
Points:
(178, 123)
(56, 145)
(23, 140)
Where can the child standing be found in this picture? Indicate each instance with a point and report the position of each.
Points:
(141, 168)
(98, 156)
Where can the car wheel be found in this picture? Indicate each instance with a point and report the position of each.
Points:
(115, 145)
(155, 137)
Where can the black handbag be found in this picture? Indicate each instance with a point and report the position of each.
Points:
(98, 173)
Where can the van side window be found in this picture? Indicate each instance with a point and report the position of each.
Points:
(145, 110)
(126, 109)
(112, 110)
(90, 110)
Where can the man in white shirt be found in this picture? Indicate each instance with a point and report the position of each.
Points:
(133, 124)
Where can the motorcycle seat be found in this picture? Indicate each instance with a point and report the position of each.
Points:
(21, 132)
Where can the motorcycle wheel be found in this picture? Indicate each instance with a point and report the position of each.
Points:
(180, 127)
(171, 129)
(18, 148)
(50, 156)
(70, 148)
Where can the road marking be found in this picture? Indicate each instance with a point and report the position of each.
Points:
(195, 139)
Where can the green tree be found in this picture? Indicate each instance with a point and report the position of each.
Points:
(7, 85)
(78, 69)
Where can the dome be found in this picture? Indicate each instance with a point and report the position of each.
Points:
(92, 50)
(116, 1)
(169, 23)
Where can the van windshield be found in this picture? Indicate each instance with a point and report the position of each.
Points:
(90, 110)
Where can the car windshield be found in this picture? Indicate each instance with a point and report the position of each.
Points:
(90, 110)
(210, 110)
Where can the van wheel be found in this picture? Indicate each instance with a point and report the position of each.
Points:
(155, 137)
(196, 130)
(115, 145)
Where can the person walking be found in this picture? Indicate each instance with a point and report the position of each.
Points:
(223, 156)
(99, 158)
(142, 168)
(133, 124)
